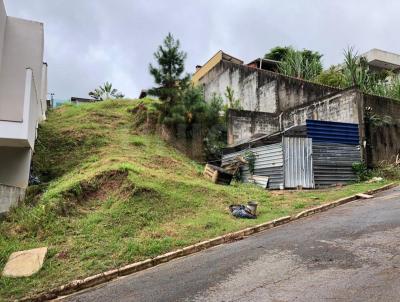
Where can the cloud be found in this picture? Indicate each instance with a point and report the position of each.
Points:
(90, 42)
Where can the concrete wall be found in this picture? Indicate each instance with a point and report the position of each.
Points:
(244, 124)
(260, 90)
(43, 91)
(3, 20)
(15, 165)
(340, 107)
(383, 141)
(23, 94)
(23, 48)
(10, 196)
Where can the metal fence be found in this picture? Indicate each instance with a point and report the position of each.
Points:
(333, 163)
(298, 162)
(269, 162)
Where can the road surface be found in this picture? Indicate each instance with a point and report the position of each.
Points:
(350, 253)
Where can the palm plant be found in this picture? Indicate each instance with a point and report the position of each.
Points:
(300, 65)
(105, 92)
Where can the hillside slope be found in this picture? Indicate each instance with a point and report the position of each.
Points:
(112, 196)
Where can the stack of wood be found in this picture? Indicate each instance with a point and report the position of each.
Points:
(234, 166)
(217, 175)
(223, 175)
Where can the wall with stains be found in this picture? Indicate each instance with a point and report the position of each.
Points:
(340, 107)
(383, 139)
(260, 90)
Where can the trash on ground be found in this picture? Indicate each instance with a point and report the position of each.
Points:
(375, 179)
(25, 263)
(242, 211)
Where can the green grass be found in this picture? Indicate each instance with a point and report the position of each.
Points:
(114, 196)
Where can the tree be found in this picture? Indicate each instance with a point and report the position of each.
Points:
(277, 53)
(333, 76)
(168, 75)
(305, 64)
(105, 92)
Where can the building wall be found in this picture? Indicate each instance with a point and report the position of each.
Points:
(383, 141)
(341, 107)
(3, 20)
(244, 124)
(260, 90)
(15, 166)
(23, 94)
(23, 48)
(10, 196)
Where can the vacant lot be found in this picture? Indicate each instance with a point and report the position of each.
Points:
(113, 196)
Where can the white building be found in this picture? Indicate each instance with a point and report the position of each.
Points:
(23, 94)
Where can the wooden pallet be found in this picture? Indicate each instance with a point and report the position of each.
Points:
(217, 175)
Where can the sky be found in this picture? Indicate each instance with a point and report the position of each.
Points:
(89, 42)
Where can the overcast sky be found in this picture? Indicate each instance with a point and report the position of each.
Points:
(88, 42)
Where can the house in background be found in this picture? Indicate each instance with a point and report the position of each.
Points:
(23, 94)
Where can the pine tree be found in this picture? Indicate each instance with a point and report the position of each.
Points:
(168, 75)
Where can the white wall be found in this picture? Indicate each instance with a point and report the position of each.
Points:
(43, 92)
(23, 134)
(23, 49)
(3, 21)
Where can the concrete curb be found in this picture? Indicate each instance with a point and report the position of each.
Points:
(94, 280)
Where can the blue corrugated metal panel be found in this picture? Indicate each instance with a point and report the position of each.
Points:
(333, 132)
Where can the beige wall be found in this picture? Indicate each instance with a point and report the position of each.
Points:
(23, 48)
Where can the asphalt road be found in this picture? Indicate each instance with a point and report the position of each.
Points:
(350, 253)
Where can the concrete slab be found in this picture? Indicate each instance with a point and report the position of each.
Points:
(364, 196)
(25, 263)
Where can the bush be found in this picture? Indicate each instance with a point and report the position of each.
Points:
(362, 171)
(387, 171)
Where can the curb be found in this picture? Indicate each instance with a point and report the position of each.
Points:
(94, 280)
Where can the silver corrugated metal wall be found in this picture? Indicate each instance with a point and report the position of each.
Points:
(333, 163)
(298, 162)
(269, 162)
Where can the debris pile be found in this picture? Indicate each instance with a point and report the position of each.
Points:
(242, 211)
(224, 175)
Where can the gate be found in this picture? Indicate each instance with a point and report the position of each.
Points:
(298, 162)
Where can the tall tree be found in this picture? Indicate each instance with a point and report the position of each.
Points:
(278, 53)
(105, 92)
(168, 74)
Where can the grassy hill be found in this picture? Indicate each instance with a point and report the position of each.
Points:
(113, 195)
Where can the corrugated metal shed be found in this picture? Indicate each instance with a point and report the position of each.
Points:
(333, 132)
(333, 163)
(324, 158)
(269, 162)
(298, 162)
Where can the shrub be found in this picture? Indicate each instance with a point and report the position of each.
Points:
(362, 171)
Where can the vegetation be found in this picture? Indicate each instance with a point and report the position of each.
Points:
(181, 104)
(305, 64)
(233, 103)
(168, 75)
(105, 92)
(113, 194)
(355, 72)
